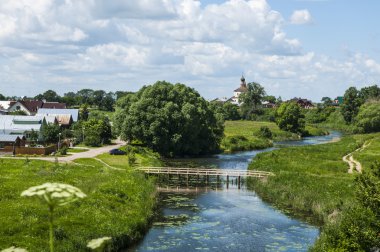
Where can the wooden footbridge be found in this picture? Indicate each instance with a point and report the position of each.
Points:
(205, 173)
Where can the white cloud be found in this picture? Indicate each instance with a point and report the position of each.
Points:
(300, 17)
(121, 45)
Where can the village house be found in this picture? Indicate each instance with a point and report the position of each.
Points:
(16, 131)
(304, 103)
(65, 117)
(30, 107)
(338, 101)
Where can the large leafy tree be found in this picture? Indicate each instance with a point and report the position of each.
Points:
(370, 92)
(351, 104)
(368, 118)
(290, 117)
(171, 119)
(252, 99)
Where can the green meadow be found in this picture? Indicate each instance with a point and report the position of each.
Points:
(245, 135)
(312, 181)
(120, 203)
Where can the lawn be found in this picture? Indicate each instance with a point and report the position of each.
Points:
(119, 204)
(77, 150)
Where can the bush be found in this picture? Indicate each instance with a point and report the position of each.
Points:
(265, 132)
(63, 150)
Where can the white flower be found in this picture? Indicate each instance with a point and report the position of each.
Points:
(98, 243)
(14, 249)
(55, 194)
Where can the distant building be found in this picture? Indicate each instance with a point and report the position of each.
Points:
(304, 103)
(63, 115)
(338, 100)
(237, 92)
(30, 107)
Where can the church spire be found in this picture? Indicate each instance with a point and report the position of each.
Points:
(242, 79)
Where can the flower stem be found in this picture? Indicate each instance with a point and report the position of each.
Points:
(51, 229)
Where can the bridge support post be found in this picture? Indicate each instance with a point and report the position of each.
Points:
(238, 182)
(228, 181)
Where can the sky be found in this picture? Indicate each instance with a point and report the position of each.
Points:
(294, 48)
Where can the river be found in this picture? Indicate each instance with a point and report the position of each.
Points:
(215, 218)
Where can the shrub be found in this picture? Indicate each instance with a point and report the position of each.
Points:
(265, 132)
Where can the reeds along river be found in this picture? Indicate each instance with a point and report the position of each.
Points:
(219, 219)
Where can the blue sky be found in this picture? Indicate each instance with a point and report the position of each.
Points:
(303, 48)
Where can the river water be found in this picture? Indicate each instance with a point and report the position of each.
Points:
(214, 218)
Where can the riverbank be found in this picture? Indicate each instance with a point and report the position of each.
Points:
(312, 182)
(120, 202)
(245, 135)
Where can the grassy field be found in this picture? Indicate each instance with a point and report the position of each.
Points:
(76, 150)
(119, 203)
(311, 180)
(244, 135)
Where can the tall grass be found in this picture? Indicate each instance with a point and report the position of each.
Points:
(119, 204)
(311, 180)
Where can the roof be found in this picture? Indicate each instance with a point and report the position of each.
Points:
(241, 89)
(5, 104)
(65, 119)
(50, 119)
(32, 106)
(9, 138)
(73, 112)
(11, 124)
(54, 105)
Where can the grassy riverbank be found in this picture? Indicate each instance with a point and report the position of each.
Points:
(119, 203)
(310, 180)
(244, 135)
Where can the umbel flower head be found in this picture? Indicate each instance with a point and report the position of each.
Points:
(14, 249)
(98, 244)
(55, 194)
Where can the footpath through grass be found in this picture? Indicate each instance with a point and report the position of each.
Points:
(309, 180)
(119, 203)
(244, 135)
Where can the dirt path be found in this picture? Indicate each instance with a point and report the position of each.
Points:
(91, 153)
(352, 163)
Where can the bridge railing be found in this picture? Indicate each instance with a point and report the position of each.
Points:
(204, 172)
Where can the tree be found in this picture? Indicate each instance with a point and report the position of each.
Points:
(290, 117)
(107, 102)
(351, 104)
(230, 111)
(370, 92)
(122, 109)
(368, 118)
(49, 95)
(50, 132)
(69, 98)
(173, 120)
(97, 131)
(2, 97)
(84, 96)
(251, 100)
(327, 102)
(83, 112)
(270, 98)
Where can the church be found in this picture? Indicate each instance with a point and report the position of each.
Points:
(237, 92)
